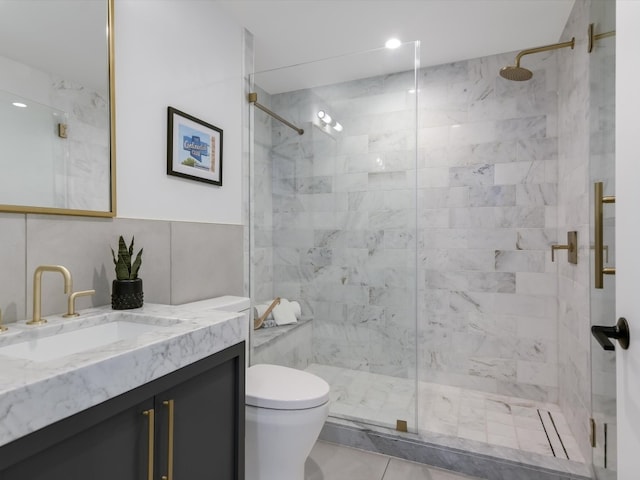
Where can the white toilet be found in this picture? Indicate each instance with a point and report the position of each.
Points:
(285, 411)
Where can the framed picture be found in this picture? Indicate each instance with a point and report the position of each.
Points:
(194, 148)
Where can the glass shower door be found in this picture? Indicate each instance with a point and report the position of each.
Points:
(602, 163)
(334, 222)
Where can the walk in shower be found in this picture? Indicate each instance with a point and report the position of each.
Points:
(334, 223)
(415, 229)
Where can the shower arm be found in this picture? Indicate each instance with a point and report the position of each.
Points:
(545, 48)
(253, 98)
(593, 36)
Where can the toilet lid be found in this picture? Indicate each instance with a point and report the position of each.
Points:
(283, 388)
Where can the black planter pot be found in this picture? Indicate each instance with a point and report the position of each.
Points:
(127, 294)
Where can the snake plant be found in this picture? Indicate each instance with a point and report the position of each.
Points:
(125, 270)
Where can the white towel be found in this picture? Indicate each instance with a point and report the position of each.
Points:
(296, 309)
(283, 313)
(260, 308)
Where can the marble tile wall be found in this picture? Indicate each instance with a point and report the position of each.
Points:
(174, 270)
(344, 220)
(87, 185)
(344, 224)
(289, 346)
(261, 204)
(487, 164)
(574, 199)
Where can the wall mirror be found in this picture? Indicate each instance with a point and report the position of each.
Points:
(57, 145)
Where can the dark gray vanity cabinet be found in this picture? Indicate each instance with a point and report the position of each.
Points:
(183, 426)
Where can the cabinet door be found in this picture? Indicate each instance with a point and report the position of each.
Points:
(115, 448)
(199, 439)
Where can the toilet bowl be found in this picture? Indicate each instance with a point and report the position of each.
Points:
(285, 410)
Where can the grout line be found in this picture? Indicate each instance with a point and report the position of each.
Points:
(558, 434)
(386, 467)
(545, 432)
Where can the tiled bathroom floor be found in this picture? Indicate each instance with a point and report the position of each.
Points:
(335, 462)
(494, 419)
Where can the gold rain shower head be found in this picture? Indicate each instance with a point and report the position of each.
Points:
(520, 74)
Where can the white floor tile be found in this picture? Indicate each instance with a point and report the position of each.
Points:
(333, 462)
(403, 470)
(487, 417)
(328, 461)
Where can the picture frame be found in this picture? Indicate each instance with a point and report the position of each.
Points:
(194, 148)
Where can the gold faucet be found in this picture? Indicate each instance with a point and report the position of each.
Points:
(71, 302)
(37, 289)
(2, 327)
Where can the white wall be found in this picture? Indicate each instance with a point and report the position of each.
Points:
(159, 64)
(628, 234)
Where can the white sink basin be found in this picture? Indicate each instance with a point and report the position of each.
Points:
(63, 344)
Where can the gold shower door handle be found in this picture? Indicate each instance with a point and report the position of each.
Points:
(150, 414)
(171, 405)
(599, 201)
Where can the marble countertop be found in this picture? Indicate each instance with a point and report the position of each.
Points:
(34, 394)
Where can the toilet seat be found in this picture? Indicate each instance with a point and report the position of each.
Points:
(283, 388)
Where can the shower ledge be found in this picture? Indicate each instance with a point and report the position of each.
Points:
(264, 337)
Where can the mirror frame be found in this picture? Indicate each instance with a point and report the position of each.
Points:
(112, 142)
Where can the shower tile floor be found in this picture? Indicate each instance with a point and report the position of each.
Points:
(500, 420)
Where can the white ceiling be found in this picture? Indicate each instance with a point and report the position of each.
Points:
(289, 32)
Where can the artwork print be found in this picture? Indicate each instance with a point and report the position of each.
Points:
(194, 148)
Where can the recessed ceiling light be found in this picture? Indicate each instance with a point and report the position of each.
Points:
(19, 104)
(393, 43)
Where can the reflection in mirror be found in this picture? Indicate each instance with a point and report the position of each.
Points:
(55, 117)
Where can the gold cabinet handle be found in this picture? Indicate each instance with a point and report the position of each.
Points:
(599, 201)
(171, 406)
(151, 415)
